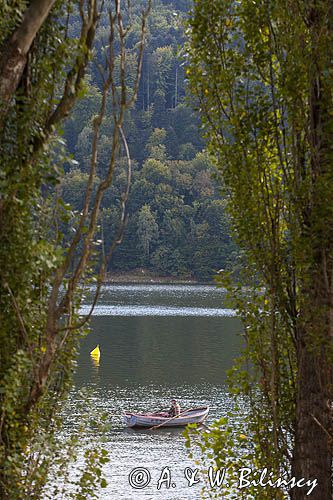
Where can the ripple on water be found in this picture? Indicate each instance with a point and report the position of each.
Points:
(146, 310)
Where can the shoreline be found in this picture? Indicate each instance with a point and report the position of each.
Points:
(147, 278)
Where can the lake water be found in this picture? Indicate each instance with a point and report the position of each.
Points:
(157, 342)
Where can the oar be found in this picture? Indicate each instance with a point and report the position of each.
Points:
(169, 420)
(205, 426)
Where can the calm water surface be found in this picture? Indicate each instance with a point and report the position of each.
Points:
(157, 342)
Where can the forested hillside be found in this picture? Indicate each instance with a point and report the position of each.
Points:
(177, 224)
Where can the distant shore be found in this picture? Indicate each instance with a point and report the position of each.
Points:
(146, 277)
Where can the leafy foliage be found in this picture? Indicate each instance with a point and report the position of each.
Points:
(171, 174)
(259, 71)
(183, 211)
(48, 252)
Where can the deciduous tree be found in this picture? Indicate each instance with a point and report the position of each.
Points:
(43, 274)
(262, 74)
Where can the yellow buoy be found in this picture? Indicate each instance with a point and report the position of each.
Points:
(96, 354)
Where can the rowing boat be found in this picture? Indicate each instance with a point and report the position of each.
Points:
(191, 416)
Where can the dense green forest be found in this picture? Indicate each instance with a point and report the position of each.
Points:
(177, 224)
(261, 76)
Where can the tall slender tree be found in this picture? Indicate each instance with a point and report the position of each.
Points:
(261, 71)
(42, 276)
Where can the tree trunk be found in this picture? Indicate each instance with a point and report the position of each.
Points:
(313, 440)
(313, 452)
(13, 54)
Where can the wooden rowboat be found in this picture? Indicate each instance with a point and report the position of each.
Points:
(162, 419)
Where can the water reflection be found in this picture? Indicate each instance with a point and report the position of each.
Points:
(95, 355)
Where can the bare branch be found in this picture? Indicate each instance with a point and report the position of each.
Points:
(18, 312)
(117, 241)
(55, 310)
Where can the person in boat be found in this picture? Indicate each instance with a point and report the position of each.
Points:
(175, 409)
